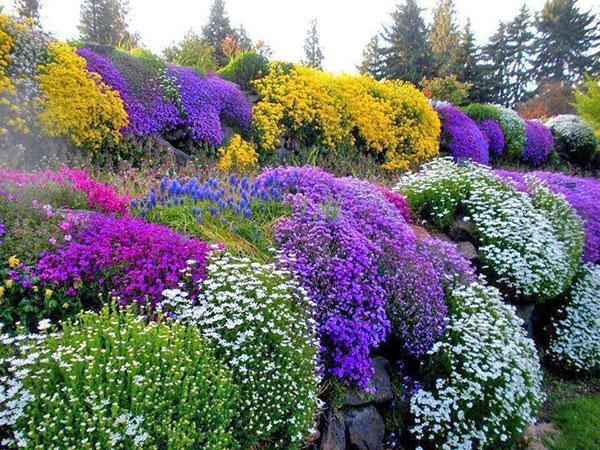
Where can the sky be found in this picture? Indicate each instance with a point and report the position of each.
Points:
(345, 25)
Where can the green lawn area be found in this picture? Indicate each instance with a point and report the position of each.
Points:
(579, 422)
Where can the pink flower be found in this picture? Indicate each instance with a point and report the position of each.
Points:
(65, 225)
(52, 240)
(48, 210)
(35, 203)
(67, 238)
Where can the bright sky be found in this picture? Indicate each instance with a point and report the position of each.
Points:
(346, 25)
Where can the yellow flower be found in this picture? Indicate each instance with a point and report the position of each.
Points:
(1, 292)
(48, 293)
(9, 283)
(35, 289)
(13, 262)
(76, 103)
(65, 305)
(238, 155)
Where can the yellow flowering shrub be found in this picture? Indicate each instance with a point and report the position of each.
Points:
(9, 119)
(392, 119)
(76, 103)
(237, 156)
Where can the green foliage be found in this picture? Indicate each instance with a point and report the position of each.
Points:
(579, 423)
(574, 138)
(216, 30)
(113, 380)
(445, 38)
(192, 51)
(258, 317)
(245, 68)
(104, 22)
(447, 89)
(587, 102)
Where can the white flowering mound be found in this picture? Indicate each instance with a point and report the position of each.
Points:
(521, 239)
(488, 385)
(574, 137)
(577, 342)
(513, 128)
(111, 380)
(257, 316)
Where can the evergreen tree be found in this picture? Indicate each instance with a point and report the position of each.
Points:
(497, 56)
(105, 22)
(566, 42)
(313, 53)
(28, 9)
(444, 37)
(243, 39)
(519, 42)
(406, 54)
(372, 62)
(216, 29)
(467, 60)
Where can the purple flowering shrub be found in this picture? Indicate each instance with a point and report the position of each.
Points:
(538, 143)
(122, 257)
(583, 194)
(140, 122)
(493, 135)
(358, 259)
(461, 136)
(208, 100)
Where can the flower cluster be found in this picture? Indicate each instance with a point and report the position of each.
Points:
(447, 261)
(538, 143)
(583, 194)
(577, 334)
(574, 137)
(112, 380)
(461, 137)
(488, 383)
(207, 100)
(237, 156)
(522, 242)
(77, 104)
(259, 319)
(358, 260)
(493, 135)
(122, 257)
(391, 119)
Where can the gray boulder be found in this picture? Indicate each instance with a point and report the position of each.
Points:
(365, 428)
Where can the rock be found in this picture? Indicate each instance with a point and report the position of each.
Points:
(365, 428)
(334, 435)
(462, 230)
(535, 434)
(380, 382)
(181, 158)
(468, 250)
(420, 232)
(525, 312)
(228, 133)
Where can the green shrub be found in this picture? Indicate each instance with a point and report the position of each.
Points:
(447, 89)
(112, 380)
(245, 68)
(574, 138)
(512, 125)
(485, 380)
(257, 316)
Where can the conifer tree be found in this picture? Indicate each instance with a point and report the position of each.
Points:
(519, 42)
(444, 37)
(497, 57)
(217, 29)
(406, 53)
(567, 41)
(105, 22)
(372, 61)
(29, 9)
(313, 53)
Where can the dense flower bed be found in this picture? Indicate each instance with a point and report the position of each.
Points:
(392, 119)
(576, 345)
(357, 258)
(492, 383)
(538, 143)
(521, 242)
(583, 194)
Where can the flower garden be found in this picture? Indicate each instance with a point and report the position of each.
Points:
(246, 301)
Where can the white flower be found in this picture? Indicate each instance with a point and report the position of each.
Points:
(44, 324)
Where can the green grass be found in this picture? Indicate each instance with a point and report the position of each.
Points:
(579, 422)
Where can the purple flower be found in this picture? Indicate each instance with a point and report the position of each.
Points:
(2, 231)
(461, 137)
(493, 135)
(358, 259)
(450, 265)
(137, 260)
(538, 143)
